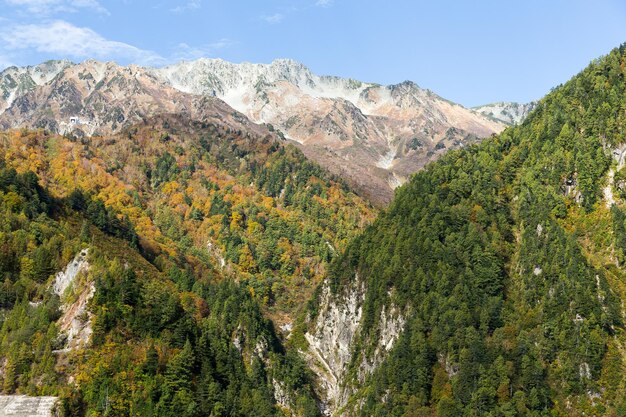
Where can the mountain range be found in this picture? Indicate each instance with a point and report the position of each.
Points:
(374, 136)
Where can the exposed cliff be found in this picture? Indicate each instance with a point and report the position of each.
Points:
(333, 337)
(75, 323)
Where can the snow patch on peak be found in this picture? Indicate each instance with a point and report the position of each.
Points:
(229, 80)
(44, 73)
(507, 112)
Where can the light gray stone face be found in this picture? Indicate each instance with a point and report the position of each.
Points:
(331, 343)
(75, 322)
(23, 406)
(64, 279)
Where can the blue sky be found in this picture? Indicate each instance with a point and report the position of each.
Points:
(471, 52)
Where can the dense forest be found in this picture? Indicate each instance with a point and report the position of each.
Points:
(506, 261)
(156, 349)
(194, 234)
(209, 196)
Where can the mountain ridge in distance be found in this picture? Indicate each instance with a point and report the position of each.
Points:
(373, 136)
(358, 130)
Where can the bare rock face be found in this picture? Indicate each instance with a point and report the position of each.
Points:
(23, 406)
(95, 98)
(506, 112)
(390, 324)
(332, 343)
(64, 279)
(75, 322)
(281, 396)
(374, 136)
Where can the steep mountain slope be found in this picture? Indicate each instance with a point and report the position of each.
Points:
(149, 321)
(15, 82)
(506, 112)
(157, 348)
(494, 283)
(95, 98)
(194, 232)
(210, 195)
(373, 135)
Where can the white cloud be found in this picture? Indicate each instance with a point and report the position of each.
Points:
(324, 3)
(190, 5)
(188, 53)
(48, 7)
(63, 39)
(273, 19)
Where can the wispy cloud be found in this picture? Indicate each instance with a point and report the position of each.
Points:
(274, 18)
(50, 7)
(62, 39)
(190, 5)
(188, 53)
(324, 3)
(284, 13)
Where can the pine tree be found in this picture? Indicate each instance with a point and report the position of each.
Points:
(85, 235)
(179, 372)
(151, 363)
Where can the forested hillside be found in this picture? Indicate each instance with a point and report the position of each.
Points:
(178, 238)
(156, 349)
(205, 194)
(504, 262)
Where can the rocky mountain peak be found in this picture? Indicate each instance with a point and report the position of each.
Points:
(506, 112)
(405, 86)
(15, 81)
(368, 139)
(365, 132)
